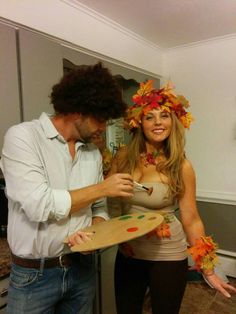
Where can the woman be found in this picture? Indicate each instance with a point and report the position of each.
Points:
(156, 158)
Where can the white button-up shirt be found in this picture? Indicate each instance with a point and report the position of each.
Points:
(39, 172)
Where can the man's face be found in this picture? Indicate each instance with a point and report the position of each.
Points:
(89, 128)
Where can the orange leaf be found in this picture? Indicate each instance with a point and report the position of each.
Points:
(163, 231)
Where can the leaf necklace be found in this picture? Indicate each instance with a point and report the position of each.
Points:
(150, 158)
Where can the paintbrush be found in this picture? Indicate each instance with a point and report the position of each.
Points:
(148, 190)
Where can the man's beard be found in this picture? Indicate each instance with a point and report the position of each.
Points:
(86, 139)
(89, 138)
(85, 134)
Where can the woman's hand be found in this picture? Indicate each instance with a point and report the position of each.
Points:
(217, 283)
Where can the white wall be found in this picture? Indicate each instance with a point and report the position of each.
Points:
(70, 21)
(206, 74)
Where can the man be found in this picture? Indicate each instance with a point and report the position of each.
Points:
(54, 186)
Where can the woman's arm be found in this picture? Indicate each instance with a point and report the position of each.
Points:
(190, 218)
(193, 225)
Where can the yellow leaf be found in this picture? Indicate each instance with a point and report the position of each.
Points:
(145, 88)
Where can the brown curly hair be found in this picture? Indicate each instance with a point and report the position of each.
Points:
(90, 90)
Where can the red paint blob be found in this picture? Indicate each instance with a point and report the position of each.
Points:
(133, 229)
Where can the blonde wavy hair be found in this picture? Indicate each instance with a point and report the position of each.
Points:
(128, 159)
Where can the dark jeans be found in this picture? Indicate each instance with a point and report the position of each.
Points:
(53, 290)
(165, 279)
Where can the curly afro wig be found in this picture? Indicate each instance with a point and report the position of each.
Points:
(91, 91)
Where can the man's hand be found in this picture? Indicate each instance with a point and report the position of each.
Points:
(119, 184)
(79, 237)
(82, 237)
(97, 220)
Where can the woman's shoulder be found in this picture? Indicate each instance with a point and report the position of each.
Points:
(187, 164)
(187, 168)
(121, 153)
(118, 159)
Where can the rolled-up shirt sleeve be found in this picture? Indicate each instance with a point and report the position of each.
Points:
(62, 200)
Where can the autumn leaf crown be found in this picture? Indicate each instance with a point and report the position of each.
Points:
(148, 98)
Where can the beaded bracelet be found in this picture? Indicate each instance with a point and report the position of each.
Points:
(204, 254)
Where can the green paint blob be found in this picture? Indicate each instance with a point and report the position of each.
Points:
(125, 217)
(140, 217)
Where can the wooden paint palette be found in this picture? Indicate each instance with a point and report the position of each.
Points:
(118, 230)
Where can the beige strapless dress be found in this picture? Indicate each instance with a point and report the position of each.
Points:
(153, 248)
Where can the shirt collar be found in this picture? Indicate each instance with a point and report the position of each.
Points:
(50, 130)
(47, 125)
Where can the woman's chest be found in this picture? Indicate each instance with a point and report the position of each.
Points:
(149, 174)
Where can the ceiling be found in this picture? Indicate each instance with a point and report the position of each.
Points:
(170, 23)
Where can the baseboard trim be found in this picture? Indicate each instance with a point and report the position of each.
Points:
(228, 265)
(216, 197)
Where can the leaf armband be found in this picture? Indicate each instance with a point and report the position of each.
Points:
(204, 253)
